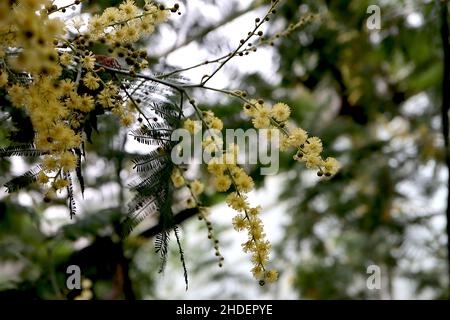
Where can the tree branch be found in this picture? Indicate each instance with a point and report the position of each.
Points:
(202, 33)
(178, 218)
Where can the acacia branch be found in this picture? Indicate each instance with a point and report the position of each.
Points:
(178, 219)
(203, 33)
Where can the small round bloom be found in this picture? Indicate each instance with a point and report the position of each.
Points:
(312, 161)
(271, 276)
(197, 187)
(127, 120)
(297, 137)
(50, 163)
(216, 124)
(331, 166)
(261, 122)
(68, 161)
(313, 145)
(245, 183)
(257, 272)
(88, 61)
(239, 222)
(42, 178)
(237, 202)
(91, 81)
(192, 126)
(216, 167)
(222, 183)
(281, 111)
(66, 59)
(60, 183)
(178, 180)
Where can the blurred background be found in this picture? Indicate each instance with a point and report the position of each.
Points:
(373, 96)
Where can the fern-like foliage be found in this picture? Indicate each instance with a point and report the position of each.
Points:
(183, 262)
(70, 197)
(153, 133)
(161, 247)
(23, 180)
(24, 150)
(153, 192)
(78, 153)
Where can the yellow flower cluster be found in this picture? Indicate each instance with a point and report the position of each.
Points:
(34, 50)
(228, 176)
(309, 149)
(26, 26)
(127, 23)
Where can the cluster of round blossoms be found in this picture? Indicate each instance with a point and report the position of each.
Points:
(229, 177)
(57, 79)
(308, 149)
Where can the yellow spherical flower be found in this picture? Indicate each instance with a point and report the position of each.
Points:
(216, 124)
(88, 61)
(128, 8)
(17, 95)
(42, 178)
(253, 212)
(222, 183)
(255, 227)
(127, 120)
(50, 163)
(271, 276)
(284, 143)
(248, 246)
(177, 179)
(312, 161)
(192, 126)
(244, 183)
(239, 222)
(281, 111)
(331, 166)
(65, 59)
(313, 145)
(237, 202)
(60, 183)
(86, 103)
(297, 137)
(216, 167)
(55, 27)
(257, 272)
(91, 81)
(259, 259)
(197, 187)
(111, 15)
(96, 25)
(263, 112)
(66, 86)
(211, 144)
(261, 122)
(68, 161)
